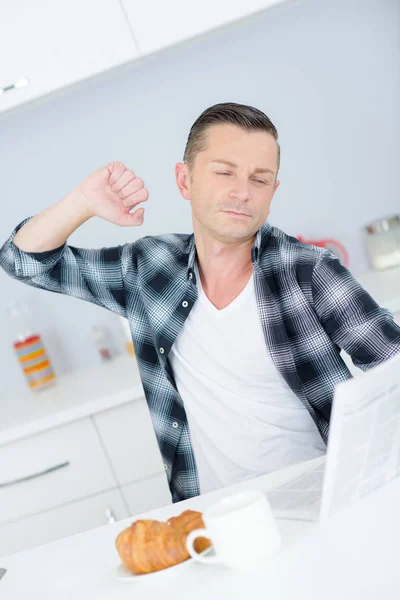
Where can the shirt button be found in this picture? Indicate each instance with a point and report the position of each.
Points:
(190, 275)
(184, 304)
(175, 424)
(166, 467)
(161, 350)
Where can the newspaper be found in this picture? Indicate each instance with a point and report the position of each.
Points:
(363, 450)
(364, 439)
(300, 497)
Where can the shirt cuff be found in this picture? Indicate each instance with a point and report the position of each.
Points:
(33, 263)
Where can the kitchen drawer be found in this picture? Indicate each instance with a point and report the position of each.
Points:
(61, 522)
(130, 442)
(147, 494)
(25, 486)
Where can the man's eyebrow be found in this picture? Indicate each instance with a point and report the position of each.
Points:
(231, 164)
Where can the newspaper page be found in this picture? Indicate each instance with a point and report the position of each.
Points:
(300, 497)
(364, 438)
(363, 451)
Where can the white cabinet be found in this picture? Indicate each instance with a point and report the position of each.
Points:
(66, 479)
(61, 522)
(49, 469)
(130, 444)
(157, 24)
(147, 494)
(128, 436)
(55, 44)
(52, 45)
(86, 446)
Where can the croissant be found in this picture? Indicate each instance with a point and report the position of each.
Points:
(149, 545)
(188, 521)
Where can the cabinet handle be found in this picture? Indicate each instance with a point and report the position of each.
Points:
(35, 475)
(110, 516)
(20, 83)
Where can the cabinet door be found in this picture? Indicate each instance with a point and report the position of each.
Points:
(130, 442)
(55, 44)
(158, 24)
(61, 522)
(51, 468)
(147, 494)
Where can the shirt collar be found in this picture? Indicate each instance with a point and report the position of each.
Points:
(260, 242)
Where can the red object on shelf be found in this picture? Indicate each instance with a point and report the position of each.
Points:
(333, 245)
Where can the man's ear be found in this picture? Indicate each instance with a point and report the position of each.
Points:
(277, 184)
(182, 177)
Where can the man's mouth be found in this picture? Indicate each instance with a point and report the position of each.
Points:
(236, 214)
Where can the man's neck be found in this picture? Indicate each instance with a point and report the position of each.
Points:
(223, 266)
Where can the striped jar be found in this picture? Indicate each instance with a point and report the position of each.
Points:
(34, 362)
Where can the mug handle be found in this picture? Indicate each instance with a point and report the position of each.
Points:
(199, 557)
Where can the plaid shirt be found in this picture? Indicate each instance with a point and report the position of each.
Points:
(309, 306)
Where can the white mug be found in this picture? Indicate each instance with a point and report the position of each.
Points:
(242, 530)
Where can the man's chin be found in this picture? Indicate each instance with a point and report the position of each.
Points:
(233, 233)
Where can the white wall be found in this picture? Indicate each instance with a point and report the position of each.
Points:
(327, 74)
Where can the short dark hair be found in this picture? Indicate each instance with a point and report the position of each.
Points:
(241, 115)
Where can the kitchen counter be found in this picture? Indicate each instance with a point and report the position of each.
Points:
(353, 555)
(75, 395)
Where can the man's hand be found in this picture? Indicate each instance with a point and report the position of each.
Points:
(112, 192)
(109, 193)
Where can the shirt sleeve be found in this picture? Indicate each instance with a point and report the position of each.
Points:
(351, 317)
(96, 276)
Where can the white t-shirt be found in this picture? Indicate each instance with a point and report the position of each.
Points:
(243, 418)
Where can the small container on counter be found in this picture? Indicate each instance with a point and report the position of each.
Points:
(383, 242)
(102, 342)
(30, 350)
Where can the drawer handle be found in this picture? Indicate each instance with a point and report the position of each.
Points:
(35, 475)
(14, 86)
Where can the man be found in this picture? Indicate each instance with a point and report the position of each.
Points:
(237, 328)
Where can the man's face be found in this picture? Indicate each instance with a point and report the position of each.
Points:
(232, 182)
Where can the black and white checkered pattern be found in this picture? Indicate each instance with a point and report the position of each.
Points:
(309, 305)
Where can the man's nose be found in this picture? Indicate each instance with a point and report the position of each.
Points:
(240, 190)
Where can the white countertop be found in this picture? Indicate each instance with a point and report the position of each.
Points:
(74, 396)
(352, 556)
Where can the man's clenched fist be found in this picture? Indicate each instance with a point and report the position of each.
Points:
(112, 192)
